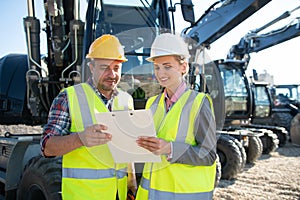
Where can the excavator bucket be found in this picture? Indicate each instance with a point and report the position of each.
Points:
(295, 130)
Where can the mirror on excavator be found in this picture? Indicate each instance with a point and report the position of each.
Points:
(188, 11)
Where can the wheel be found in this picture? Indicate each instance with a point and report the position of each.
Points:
(270, 142)
(254, 149)
(295, 130)
(218, 172)
(41, 179)
(282, 137)
(230, 157)
(242, 151)
(282, 119)
(261, 146)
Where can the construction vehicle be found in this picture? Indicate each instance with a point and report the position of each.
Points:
(239, 107)
(287, 94)
(287, 98)
(263, 114)
(239, 58)
(30, 82)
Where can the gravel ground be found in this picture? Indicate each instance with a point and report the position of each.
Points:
(271, 177)
(274, 176)
(17, 129)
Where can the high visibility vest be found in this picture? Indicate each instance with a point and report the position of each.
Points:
(177, 181)
(90, 172)
(139, 93)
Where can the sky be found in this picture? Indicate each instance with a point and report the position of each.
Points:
(281, 61)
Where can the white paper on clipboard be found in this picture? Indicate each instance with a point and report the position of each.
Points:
(125, 127)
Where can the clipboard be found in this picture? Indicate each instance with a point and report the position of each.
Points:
(126, 127)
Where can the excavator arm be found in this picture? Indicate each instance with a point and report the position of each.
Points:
(275, 37)
(213, 24)
(254, 42)
(218, 21)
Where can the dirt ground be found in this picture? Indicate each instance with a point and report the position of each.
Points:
(274, 176)
(271, 177)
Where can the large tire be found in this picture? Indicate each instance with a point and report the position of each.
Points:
(270, 142)
(282, 119)
(295, 130)
(282, 136)
(41, 179)
(230, 157)
(254, 149)
(243, 153)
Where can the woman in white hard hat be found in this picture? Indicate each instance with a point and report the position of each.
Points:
(185, 126)
(88, 169)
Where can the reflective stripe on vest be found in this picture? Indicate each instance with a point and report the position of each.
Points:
(177, 181)
(83, 106)
(145, 184)
(90, 172)
(93, 173)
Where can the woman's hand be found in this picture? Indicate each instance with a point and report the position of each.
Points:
(156, 145)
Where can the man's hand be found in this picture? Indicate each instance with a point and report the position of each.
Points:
(156, 145)
(94, 135)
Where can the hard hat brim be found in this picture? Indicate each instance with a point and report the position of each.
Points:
(151, 59)
(108, 58)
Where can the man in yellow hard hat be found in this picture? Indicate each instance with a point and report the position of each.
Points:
(88, 169)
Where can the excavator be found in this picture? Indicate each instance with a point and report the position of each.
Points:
(287, 98)
(264, 110)
(246, 107)
(30, 82)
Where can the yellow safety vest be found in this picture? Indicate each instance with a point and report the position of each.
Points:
(176, 181)
(90, 172)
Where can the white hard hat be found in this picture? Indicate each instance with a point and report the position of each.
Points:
(168, 44)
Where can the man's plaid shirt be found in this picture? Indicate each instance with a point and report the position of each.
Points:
(59, 120)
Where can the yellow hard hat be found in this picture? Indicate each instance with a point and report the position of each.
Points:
(168, 44)
(107, 47)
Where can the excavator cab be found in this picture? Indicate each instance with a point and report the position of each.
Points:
(238, 107)
(263, 103)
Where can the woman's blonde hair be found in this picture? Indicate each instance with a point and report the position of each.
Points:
(182, 60)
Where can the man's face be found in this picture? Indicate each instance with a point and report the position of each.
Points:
(106, 74)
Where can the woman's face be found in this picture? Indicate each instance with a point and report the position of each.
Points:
(169, 72)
